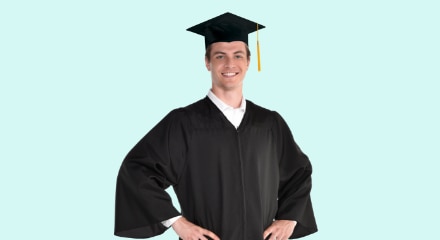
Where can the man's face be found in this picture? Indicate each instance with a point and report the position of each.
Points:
(228, 65)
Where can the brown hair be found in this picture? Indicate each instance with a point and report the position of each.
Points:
(208, 52)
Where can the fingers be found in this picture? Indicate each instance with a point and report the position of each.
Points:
(273, 233)
(277, 237)
(267, 232)
(211, 235)
(279, 230)
(207, 233)
(189, 231)
(199, 233)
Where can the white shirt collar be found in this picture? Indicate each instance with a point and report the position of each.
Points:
(223, 106)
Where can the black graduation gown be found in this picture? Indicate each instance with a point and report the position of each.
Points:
(233, 182)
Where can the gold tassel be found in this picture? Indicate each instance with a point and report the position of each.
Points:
(258, 51)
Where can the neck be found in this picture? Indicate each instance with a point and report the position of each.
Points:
(232, 98)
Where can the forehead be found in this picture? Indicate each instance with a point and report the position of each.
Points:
(228, 47)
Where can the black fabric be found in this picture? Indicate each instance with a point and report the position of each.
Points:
(233, 182)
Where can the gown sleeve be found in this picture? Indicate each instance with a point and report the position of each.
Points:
(153, 164)
(294, 201)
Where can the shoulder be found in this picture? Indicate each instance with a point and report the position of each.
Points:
(189, 109)
(198, 106)
(265, 115)
(261, 112)
(185, 115)
(251, 106)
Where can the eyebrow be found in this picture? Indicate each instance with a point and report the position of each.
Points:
(237, 52)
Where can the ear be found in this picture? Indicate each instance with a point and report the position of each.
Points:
(207, 64)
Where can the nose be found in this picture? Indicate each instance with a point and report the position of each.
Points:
(229, 62)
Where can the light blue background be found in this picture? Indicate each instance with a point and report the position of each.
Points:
(83, 81)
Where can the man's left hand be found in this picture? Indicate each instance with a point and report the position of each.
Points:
(280, 230)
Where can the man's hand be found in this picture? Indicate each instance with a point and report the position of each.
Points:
(280, 230)
(189, 231)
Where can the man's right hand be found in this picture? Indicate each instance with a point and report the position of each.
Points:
(189, 231)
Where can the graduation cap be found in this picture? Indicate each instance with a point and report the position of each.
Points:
(227, 28)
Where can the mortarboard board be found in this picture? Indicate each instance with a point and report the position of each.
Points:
(227, 28)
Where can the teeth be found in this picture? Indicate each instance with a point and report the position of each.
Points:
(229, 74)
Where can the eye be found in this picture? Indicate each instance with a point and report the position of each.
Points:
(238, 56)
(219, 57)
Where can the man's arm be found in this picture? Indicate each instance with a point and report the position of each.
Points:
(151, 166)
(294, 202)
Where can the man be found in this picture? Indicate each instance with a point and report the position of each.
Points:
(234, 166)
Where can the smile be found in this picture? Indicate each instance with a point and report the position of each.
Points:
(230, 74)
